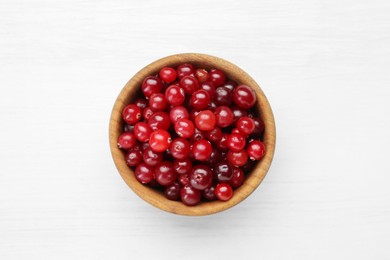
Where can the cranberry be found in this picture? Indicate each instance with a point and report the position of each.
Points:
(205, 120)
(223, 116)
(159, 120)
(223, 96)
(141, 103)
(133, 157)
(238, 113)
(182, 166)
(175, 95)
(193, 114)
(209, 87)
(189, 195)
(244, 96)
(126, 140)
(237, 179)
(259, 127)
(184, 128)
(185, 69)
(201, 177)
(131, 114)
(142, 131)
(209, 193)
(147, 113)
(201, 75)
(144, 173)
(180, 148)
(212, 106)
(144, 146)
(168, 74)
(160, 140)
(165, 175)
(214, 158)
(172, 192)
(223, 172)
(198, 135)
(189, 84)
(152, 158)
(201, 150)
(236, 142)
(151, 85)
(184, 179)
(224, 191)
(256, 150)
(214, 135)
(157, 102)
(217, 77)
(128, 128)
(237, 158)
(230, 85)
(245, 125)
(177, 113)
(200, 99)
(222, 144)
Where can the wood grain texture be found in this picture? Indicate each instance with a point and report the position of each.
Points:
(157, 199)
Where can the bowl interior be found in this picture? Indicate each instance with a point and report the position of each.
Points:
(132, 90)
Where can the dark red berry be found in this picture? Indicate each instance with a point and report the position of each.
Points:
(200, 99)
(223, 172)
(159, 120)
(214, 135)
(184, 128)
(152, 158)
(224, 191)
(189, 84)
(168, 74)
(183, 179)
(209, 87)
(182, 166)
(214, 158)
(157, 102)
(236, 142)
(172, 192)
(237, 158)
(223, 96)
(144, 173)
(201, 75)
(180, 148)
(217, 77)
(189, 195)
(209, 193)
(185, 69)
(177, 113)
(151, 85)
(165, 175)
(147, 113)
(222, 145)
(223, 116)
(244, 96)
(256, 150)
(175, 95)
(201, 177)
(160, 140)
(141, 103)
(126, 140)
(131, 114)
(201, 150)
(238, 113)
(142, 131)
(245, 125)
(198, 135)
(230, 85)
(237, 179)
(205, 120)
(133, 157)
(259, 127)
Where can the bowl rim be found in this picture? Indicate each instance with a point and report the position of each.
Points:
(154, 197)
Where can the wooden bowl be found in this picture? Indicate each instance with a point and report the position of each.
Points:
(130, 92)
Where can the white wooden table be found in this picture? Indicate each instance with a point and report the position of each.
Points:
(324, 66)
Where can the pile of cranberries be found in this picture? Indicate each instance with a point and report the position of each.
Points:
(193, 134)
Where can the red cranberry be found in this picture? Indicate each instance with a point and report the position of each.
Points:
(126, 140)
(165, 175)
(131, 114)
(177, 113)
(223, 172)
(128, 128)
(212, 106)
(222, 145)
(152, 158)
(159, 120)
(223, 96)
(223, 191)
(189, 195)
(201, 150)
(157, 102)
(200, 99)
(244, 96)
(237, 158)
(133, 157)
(236, 142)
(151, 85)
(141, 103)
(172, 192)
(209, 193)
(214, 158)
(144, 173)
(245, 125)
(259, 127)
(189, 84)
(142, 131)
(147, 113)
(201, 177)
(184, 128)
(144, 146)
(209, 87)
(198, 135)
(167, 74)
(238, 113)
(237, 179)
(224, 116)
(214, 135)
(185, 69)
(230, 85)
(217, 77)
(182, 166)
(205, 120)
(193, 114)
(175, 95)
(160, 140)
(180, 148)
(256, 150)
(201, 75)
(184, 179)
